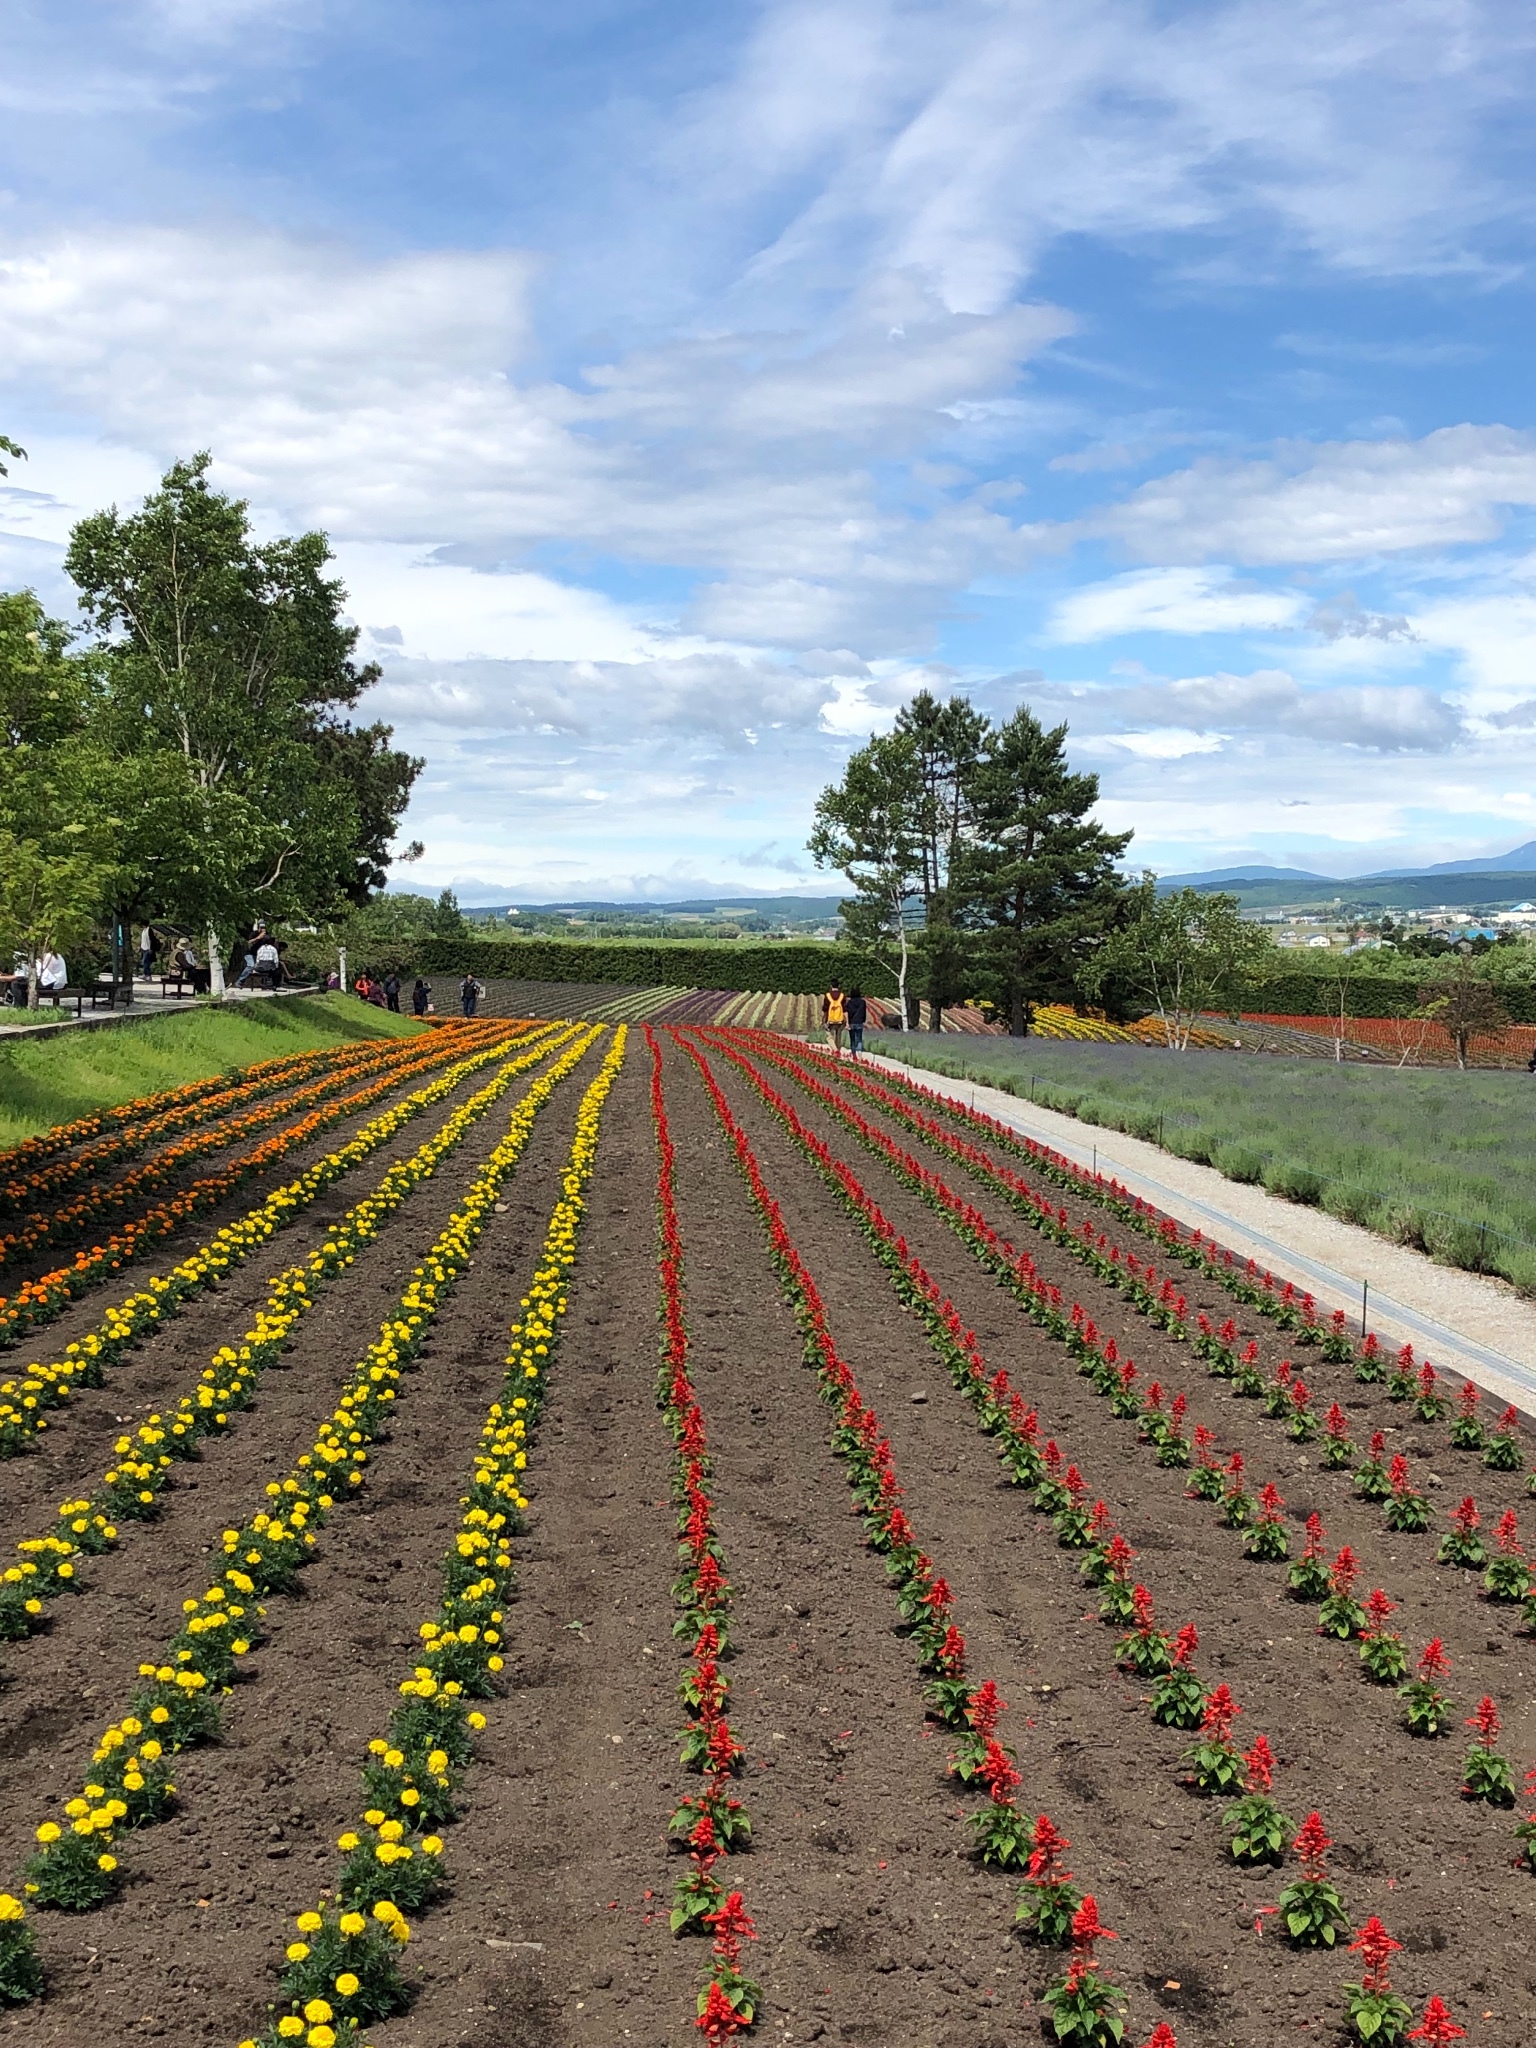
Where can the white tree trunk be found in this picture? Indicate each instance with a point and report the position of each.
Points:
(215, 967)
(341, 967)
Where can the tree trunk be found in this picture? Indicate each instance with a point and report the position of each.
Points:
(32, 1000)
(1018, 1023)
(215, 968)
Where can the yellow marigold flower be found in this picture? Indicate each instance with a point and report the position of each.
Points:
(108, 1863)
(296, 1951)
(353, 1924)
(316, 2011)
(11, 1909)
(76, 1807)
(386, 1910)
(391, 1830)
(290, 2027)
(50, 1831)
(309, 1923)
(432, 1845)
(347, 1841)
(374, 1816)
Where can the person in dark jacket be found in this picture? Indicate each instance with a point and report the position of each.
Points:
(470, 993)
(858, 1014)
(392, 990)
(421, 997)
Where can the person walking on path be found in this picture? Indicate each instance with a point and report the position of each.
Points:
(392, 991)
(470, 992)
(421, 997)
(858, 1016)
(834, 1015)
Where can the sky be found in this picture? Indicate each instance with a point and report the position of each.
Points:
(684, 387)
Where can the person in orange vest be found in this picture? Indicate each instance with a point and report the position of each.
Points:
(834, 1015)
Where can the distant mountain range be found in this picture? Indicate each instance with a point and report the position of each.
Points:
(1521, 860)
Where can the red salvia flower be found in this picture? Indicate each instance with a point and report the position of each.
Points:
(1047, 1848)
(1141, 1604)
(1434, 1663)
(1377, 1608)
(702, 1840)
(1469, 1398)
(1315, 1536)
(1052, 1456)
(1508, 1423)
(1271, 1501)
(1185, 1643)
(1099, 1520)
(718, 2021)
(1312, 1844)
(1509, 1533)
(1229, 1333)
(1283, 1373)
(1074, 1483)
(998, 1773)
(1087, 1928)
(1162, 2036)
(1428, 1380)
(1466, 1516)
(1204, 1438)
(732, 1924)
(937, 1599)
(1375, 1948)
(708, 1644)
(1405, 1359)
(1378, 1445)
(1299, 1394)
(984, 1707)
(951, 1652)
(1397, 1474)
(1155, 1395)
(1486, 1722)
(1118, 1555)
(1180, 1404)
(1438, 2024)
(1336, 1422)
(1344, 1572)
(1235, 1468)
(1221, 1710)
(1260, 1766)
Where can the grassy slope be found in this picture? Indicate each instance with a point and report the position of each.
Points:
(45, 1081)
(1378, 1146)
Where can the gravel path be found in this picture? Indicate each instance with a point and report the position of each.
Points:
(1467, 1322)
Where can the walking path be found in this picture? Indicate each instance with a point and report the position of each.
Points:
(1466, 1322)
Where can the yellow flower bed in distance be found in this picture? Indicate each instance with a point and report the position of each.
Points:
(25, 1399)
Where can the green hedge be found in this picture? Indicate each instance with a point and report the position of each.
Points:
(1375, 992)
(795, 968)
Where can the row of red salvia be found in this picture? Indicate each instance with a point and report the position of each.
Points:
(1050, 1906)
(1144, 1649)
(712, 1822)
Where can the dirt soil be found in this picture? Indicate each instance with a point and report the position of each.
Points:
(876, 1924)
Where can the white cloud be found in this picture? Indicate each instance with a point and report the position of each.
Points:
(1165, 743)
(1170, 601)
(1331, 501)
(377, 399)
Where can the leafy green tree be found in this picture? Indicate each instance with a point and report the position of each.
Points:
(233, 655)
(50, 899)
(386, 934)
(446, 920)
(1034, 873)
(947, 741)
(867, 826)
(1183, 953)
(1467, 1003)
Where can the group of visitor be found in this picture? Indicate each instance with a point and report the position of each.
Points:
(841, 1012)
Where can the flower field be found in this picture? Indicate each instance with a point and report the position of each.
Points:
(648, 1531)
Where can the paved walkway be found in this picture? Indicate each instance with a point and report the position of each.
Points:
(1466, 1322)
(148, 1001)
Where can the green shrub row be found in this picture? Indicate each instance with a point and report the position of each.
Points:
(1375, 992)
(797, 967)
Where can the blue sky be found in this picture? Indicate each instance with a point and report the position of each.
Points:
(684, 387)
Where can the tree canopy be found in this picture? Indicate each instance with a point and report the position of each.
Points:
(191, 753)
(979, 835)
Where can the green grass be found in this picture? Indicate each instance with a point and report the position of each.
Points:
(1437, 1159)
(47, 1081)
